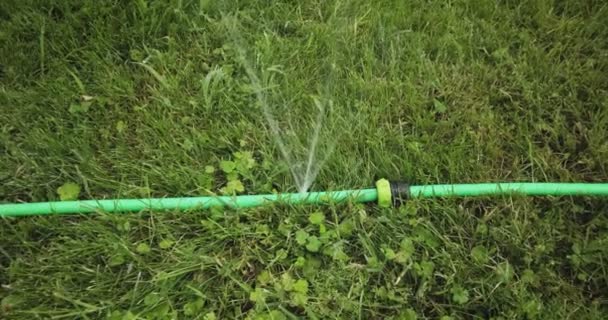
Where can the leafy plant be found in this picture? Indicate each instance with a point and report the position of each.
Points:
(459, 295)
(480, 254)
(233, 187)
(313, 244)
(143, 248)
(68, 191)
(316, 218)
(165, 244)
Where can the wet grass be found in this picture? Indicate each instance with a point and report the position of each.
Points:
(150, 98)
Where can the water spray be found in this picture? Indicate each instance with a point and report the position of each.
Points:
(385, 194)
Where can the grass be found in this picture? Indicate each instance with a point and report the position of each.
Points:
(151, 98)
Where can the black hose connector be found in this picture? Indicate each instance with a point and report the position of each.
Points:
(400, 192)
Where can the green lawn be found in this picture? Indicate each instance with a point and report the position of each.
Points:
(146, 98)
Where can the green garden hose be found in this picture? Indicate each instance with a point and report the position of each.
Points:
(186, 203)
(386, 194)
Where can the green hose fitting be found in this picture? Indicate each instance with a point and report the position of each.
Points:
(383, 187)
(392, 193)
